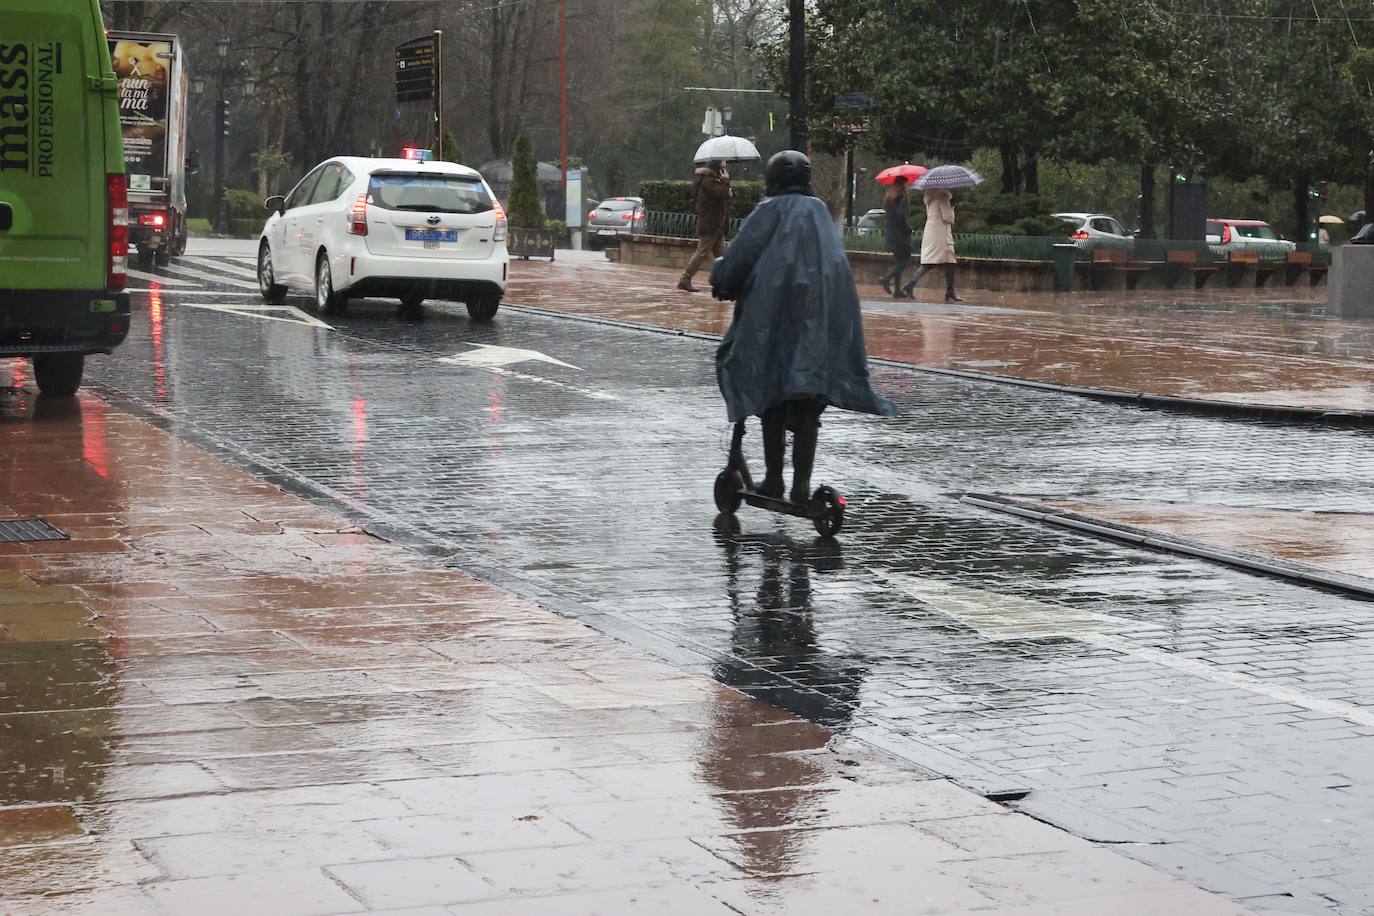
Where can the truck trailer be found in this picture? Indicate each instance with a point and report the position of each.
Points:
(153, 79)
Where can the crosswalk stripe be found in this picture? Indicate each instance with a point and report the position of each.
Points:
(217, 264)
(157, 278)
(217, 278)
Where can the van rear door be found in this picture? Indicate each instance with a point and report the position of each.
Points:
(429, 215)
(53, 209)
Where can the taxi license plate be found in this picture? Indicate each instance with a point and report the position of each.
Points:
(431, 235)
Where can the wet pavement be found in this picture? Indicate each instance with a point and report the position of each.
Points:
(1261, 347)
(1207, 722)
(218, 698)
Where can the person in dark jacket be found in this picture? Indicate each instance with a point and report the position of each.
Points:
(713, 218)
(898, 233)
(796, 344)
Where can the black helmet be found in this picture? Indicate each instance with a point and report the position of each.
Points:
(786, 169)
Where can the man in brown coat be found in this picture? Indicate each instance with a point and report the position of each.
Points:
(713, 219)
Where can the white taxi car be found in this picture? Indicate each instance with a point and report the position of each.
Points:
(398, 228)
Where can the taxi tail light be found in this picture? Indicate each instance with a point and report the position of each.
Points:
(357, 216)
(500, 234)
(117, 201)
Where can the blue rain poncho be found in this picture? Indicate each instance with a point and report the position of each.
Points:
(797, 330)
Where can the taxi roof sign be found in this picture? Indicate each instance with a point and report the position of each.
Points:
(419, 154)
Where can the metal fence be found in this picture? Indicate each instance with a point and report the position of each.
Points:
(1017, 247)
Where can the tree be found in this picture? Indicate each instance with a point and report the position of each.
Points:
(526, 209)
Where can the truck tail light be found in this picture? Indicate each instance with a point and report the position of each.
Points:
(117, 200)
(156, 220)
(500, 234)
(357, 216)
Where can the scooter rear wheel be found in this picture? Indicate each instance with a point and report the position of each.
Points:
(830, 519)
(727, 491)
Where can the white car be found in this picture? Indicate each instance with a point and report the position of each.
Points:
(401, 228)
(1096, 230)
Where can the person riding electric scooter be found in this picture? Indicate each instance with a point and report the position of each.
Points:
(796, 344)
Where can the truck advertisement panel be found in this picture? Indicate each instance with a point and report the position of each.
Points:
(143, 69)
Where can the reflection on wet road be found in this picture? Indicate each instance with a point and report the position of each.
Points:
(601, 509)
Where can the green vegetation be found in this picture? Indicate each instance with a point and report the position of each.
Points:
(526, 209)
(676, 196)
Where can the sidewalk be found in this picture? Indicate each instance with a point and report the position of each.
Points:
(1244, 347)
(218, 698)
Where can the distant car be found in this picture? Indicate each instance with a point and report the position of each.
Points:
(403, 228)
(612, 218)
(1248, 235)
(874, 222)
(1096, 230)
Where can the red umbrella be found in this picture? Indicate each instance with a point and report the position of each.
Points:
(905, 170)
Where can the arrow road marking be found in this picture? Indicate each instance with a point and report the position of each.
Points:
(260, 311)
(488, 356)
(1002, 617)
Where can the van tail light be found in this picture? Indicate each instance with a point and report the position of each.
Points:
(156, 220)
(1080, 234)
(357, 216)
(500, 234)
(117, 201)
(1225, 235)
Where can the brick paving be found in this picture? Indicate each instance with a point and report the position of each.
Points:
(1007, 655)
(1270, 347)
(218, 698)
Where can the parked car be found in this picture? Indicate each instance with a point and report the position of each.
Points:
(64, 203)
(1248, 235)
(612, 218)
(874, 222)
(1096, 230)
(402, 228)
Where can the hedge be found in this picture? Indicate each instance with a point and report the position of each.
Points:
(676, 196)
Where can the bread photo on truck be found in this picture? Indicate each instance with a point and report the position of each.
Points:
(63, 199)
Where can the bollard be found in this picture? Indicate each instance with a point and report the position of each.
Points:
(1063, 266)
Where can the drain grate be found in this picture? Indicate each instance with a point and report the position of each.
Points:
(29, 529)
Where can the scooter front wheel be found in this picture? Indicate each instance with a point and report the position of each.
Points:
(828, 518)
(729, 485)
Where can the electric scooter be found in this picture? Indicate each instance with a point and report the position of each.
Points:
(734, 485)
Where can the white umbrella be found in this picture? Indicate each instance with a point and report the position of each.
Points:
(731, 149)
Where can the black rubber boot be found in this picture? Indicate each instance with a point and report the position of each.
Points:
(804, 456)
(774, 451)
(949, 284)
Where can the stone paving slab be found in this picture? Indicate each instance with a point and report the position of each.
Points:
(415, 739)
(1271, 348)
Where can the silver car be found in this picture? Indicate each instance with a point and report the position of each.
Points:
(1096, 230)
(612, 218)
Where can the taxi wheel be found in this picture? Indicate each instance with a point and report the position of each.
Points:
(58, 374)
(273, 293)
(483, 308)
(326, 299)
(410, 306)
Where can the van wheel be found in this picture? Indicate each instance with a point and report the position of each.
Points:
(59, 374)
(483, 308)
(145, 259)
(326, 299)
(273, 293)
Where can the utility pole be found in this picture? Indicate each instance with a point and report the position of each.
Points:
(563, 88)
(438, 95)
(796, 28)
(849, 183)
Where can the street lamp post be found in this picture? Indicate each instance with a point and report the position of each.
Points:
(796, 27)
(221, 129)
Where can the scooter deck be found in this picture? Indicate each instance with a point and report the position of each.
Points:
(777, 504)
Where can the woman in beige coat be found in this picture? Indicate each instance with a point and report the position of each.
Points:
(937, 241)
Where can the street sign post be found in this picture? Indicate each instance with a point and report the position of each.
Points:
(420, 77)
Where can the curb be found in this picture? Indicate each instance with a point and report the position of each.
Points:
(1358, 419)
(1144, 537)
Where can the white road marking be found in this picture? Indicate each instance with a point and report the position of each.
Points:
(231, 269)
(526, 377)
(260, 312)
(154, 278)
(1003, 617)
(194, 292)
(487, 356)
(217, 278)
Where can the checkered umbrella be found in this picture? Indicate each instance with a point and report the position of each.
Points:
(948, 176)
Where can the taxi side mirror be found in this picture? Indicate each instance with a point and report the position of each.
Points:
(276, 203)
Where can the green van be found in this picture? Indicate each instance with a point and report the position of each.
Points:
(64, 210)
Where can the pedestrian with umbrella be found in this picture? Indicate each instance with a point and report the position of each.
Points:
(937, 241)
(712, 204)
(898, 223)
